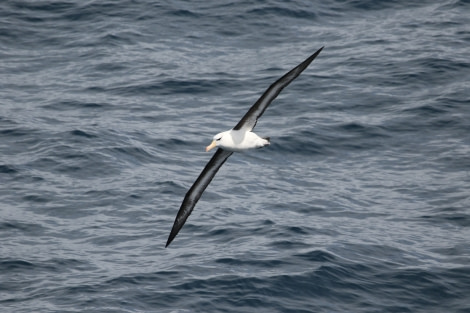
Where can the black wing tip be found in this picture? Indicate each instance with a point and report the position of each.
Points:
(174, 231)
(313, 56)
(171, 237)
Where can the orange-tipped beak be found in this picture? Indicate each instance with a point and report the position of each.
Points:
(211, 146)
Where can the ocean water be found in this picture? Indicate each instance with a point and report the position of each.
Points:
(360, 204)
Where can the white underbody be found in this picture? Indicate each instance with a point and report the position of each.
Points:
(239, 140)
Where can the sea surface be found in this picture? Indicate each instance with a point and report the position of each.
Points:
(360, 204)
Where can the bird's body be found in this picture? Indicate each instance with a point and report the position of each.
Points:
(237, 139)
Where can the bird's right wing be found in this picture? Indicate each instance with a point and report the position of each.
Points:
(195, 192)
(248, 122)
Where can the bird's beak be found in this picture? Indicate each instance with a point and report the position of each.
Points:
(211, 146)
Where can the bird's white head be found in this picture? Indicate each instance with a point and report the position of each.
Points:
(217, 140)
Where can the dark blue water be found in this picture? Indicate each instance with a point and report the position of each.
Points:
(360, 204)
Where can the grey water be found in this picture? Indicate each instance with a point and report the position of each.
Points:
(360, 204)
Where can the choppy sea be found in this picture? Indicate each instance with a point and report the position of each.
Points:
(360, 204)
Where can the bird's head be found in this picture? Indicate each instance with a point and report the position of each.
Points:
(217, 140)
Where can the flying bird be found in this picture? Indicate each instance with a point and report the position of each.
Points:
(239, 138)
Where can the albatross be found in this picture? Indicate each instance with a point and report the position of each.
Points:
(239, 138)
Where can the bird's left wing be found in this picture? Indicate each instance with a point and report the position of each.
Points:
(195, 192)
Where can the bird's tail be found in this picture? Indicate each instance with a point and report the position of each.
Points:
(268, 140)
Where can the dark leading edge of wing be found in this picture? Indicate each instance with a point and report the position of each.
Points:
(193, 194)
(248, 121)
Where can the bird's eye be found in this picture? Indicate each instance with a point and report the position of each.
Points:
(219, 138)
